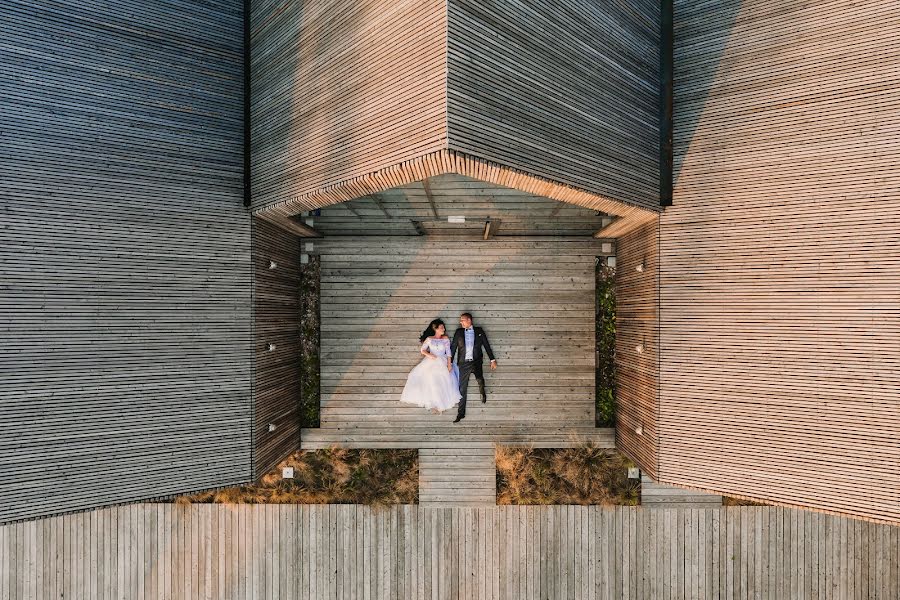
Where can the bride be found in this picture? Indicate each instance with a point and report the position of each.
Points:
(434, 382)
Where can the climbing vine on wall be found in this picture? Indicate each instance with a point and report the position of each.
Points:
(606, 344)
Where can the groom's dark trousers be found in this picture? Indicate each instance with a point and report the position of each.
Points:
(466, 368)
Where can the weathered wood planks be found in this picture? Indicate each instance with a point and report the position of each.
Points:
(379, 293)
(567, 91)
(125, 283)
(149, 551)
(276, 351)
(637, 346)
(779, 264)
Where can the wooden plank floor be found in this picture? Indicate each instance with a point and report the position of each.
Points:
(457, 477)
(533, 296)
(344, 552)
(658, 495)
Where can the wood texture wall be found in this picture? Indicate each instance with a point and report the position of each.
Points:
(637, 346)
(124, 254)
(567, 91)
(341, 89)
(332, 552)
(276, 318)
(780, 269)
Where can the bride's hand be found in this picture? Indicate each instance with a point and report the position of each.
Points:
(450, 367)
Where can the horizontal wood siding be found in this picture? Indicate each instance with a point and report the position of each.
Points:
(534, 297)
(276, 318)
(124, 254)
(341, 89)
(331, 552)
(780, 264)
(568, 91)
(637, 346)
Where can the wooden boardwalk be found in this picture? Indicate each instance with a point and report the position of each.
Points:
(658, 495)
(331, 552)
(466, 477)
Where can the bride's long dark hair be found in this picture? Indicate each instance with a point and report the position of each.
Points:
(432, 329)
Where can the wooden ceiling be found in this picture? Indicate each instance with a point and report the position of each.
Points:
(423, 208)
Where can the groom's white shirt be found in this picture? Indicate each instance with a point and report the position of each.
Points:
(470, 343)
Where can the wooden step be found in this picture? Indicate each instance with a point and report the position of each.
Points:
(457, 477)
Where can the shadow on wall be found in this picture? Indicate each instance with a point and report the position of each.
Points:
(702, 73)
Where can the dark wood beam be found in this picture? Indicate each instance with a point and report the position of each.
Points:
(490, 228)
(377, 200)
(351, 209)
(430, 196)
(298, 226)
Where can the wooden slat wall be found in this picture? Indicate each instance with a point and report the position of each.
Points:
(443, 162)
(331, 552)
(533, 297)
(637, 324)
(276, 318)
(568, 91)
(342, 88)
(124, 254)
(780, 265)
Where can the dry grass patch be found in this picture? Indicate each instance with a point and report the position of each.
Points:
(333, 476)
(583, 475)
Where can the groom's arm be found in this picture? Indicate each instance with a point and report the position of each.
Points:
(487, 346)
(454, 345)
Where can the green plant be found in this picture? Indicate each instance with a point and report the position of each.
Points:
(606, 345)
(309, 343)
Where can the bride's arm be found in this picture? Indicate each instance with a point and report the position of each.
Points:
(424, 351)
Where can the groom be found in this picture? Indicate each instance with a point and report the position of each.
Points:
(467, 345)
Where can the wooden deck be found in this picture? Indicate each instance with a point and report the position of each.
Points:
(533, 296)
(331, 552)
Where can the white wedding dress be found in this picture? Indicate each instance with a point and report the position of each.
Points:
(430, 384)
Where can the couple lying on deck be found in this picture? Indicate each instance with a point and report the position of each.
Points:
(436, 382)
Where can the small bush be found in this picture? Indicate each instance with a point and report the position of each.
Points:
(583, 475)
(332, 476)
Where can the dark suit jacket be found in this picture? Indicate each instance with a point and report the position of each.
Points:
(458, 346)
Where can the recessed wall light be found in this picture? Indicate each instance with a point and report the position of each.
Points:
(270, 347)
(639, 348)
(271, 427)
(639, 268)
(273, 265)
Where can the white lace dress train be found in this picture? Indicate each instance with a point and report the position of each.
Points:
(430, 384)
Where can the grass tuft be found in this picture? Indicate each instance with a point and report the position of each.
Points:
(332, 476)
(582, 475)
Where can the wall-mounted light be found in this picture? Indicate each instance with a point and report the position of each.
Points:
(639, 430)
(287, 472)
(639, 348)
(270, 347)
(271, 427)
(273, 265)
(639, 268)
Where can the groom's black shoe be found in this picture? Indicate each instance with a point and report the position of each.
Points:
(459, 418)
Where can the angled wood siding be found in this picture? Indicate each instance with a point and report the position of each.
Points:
(124, 254)
(567, 91)
(343, 88)
(637, 346)
(780, 264)
(276, 317)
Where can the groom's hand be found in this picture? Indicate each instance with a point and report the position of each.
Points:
(493, 365)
